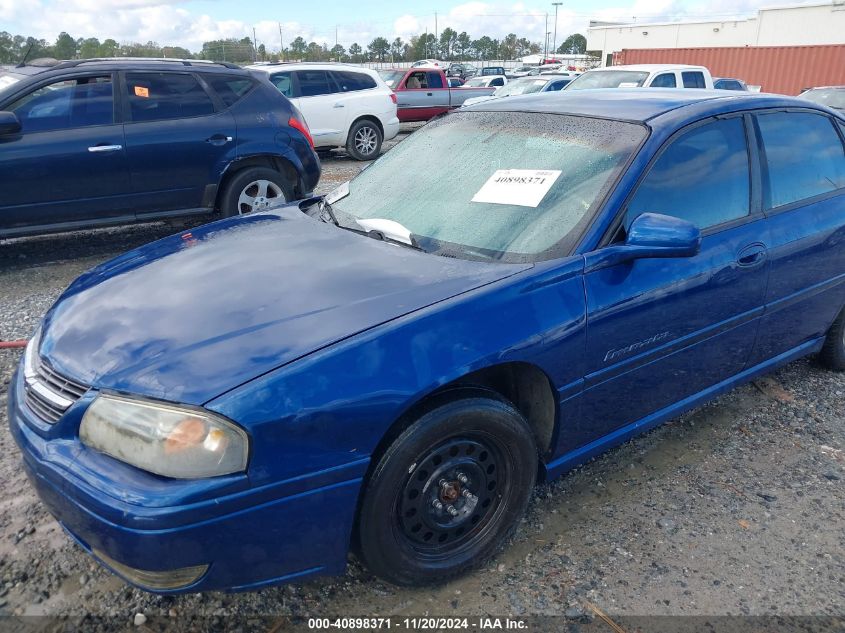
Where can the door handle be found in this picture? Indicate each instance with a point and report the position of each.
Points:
(105, 148)
(752, 255)
(339, 105)
(219, 139)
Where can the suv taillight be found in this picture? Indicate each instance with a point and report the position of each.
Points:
(393, 97)
(299, 124)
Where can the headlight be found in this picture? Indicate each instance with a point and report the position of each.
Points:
(166, 440)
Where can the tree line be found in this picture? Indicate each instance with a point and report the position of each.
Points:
(448, 45)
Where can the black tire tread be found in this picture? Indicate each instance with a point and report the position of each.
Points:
(832, 354)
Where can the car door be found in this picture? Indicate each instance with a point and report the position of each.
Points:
(68, 162)
(804, 198)
(421, 96)
(178, 141)
(662, 330)
(322, 106)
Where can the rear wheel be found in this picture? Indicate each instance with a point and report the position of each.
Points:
(364, 140)
(254, 189)
(832, 355)
(447, 492)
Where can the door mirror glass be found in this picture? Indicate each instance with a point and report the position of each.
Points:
(9, 123)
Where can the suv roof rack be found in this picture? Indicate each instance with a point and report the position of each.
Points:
(185, 62)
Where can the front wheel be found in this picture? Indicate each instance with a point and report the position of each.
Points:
(832, 355)
(447, 492)
(254, 189)
(364, 141)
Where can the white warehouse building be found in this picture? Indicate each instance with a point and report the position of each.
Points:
(795, 25)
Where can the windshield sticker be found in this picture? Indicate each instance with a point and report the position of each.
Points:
(522, 187)
(140, 91)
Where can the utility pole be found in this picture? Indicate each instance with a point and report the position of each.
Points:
(281, 43)
(254, 46)
(335, 35)
(546, 43)
(436, 35)
(554, 45)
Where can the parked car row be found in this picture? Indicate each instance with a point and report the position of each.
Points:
(424, 93)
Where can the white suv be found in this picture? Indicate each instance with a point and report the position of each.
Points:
(344, 106)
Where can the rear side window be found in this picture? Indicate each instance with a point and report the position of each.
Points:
(693, 79)
(702, 177)
(230, 89)
(66, 104)
(349, 81)
(498, 81)
(313, 83)
(666, 80)
(161, 96)
(728, 84)
(435, 80)
(283, 82)
(804, 155)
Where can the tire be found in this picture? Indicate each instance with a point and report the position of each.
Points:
(478, 445)
(832, 355)
(266, 187)
(364, 140)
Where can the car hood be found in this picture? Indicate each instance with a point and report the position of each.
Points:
(194, 315)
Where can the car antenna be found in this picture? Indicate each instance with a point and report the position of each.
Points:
(25, 57)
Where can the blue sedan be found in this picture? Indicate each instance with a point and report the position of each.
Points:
(392, 368)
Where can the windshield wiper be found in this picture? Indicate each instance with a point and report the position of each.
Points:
(326, 210)
(389, 231)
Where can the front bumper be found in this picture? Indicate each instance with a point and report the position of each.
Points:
(248, 537)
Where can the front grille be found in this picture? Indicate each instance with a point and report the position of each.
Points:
(48, 394)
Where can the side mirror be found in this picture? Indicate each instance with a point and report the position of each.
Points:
(651, 235)
(9, 123)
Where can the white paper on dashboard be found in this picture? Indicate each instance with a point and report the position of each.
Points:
(522, 187)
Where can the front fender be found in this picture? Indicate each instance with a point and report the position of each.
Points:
(335, 405)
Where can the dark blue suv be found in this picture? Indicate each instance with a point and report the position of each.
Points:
(95, 142)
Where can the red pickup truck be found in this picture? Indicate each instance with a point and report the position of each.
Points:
(423, 93)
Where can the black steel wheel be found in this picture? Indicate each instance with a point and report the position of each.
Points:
(448, 491)
(832, 354)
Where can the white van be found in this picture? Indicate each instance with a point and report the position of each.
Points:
(344, 106)
(644, 76)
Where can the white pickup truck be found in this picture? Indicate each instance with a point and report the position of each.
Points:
(644, 76)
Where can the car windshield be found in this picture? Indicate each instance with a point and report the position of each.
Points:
(477, 82)
(7, 79)
(392, 77)
(519, 188)
(609, 79)
(831, 97)
(521, 87)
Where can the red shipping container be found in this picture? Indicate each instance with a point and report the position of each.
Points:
(781, 69)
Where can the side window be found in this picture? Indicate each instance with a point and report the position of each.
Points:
(66, 104)
(498, 82)
(313, 83)
(702, 177)
(693, 79)
(416, 80)
(349, 81)
(161, 96)
(666, 80)
(435, 80)
(283, 82)
(793, 174)
(230, 89)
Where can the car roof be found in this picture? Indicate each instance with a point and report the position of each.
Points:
(651, 68)
(636, 104)
(128, 63)
(825, 88)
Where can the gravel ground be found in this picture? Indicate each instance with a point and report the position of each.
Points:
(737, 508)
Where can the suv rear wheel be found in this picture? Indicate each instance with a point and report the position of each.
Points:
(254, 189)
(364, 140)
